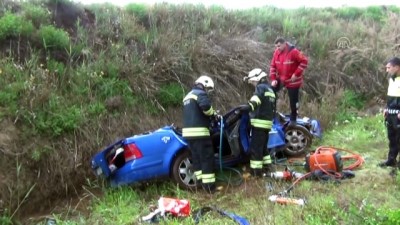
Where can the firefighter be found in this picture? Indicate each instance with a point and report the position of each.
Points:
(286, 69)
(262, 106)
(392, 112)
(197, 112)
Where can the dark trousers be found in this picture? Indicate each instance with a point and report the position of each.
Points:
(393, 132)
(293, 99)
(203, 159)
(294, 102)
(258, 149)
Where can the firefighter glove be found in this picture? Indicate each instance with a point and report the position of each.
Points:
(245, 108)
(217, 117)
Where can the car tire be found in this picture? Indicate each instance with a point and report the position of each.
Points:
(182, 171)
(298, 139)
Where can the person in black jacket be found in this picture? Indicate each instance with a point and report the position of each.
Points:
(197, 112)
(262, 105)
(392, 112)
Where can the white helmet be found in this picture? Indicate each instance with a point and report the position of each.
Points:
(255, 75)
(206, 81)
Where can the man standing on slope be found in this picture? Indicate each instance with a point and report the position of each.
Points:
(286, 69)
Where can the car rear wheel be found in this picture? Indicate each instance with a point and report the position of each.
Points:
(297, 139)
(182, 171)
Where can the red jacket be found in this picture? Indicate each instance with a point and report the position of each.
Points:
(286, 63)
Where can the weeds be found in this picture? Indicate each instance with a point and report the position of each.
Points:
(171, 95)
(36, 14)
(138, 10)
(349, 13)
(6, 220)
(349, 104)
(53, 37)
(13, 26)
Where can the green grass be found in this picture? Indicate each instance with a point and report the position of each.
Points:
(369, 198)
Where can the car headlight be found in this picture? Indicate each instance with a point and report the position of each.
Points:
(99, 171)
(93, 164)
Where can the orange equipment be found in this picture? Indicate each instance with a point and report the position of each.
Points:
(325, 159)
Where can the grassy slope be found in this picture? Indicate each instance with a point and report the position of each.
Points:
(365, 199)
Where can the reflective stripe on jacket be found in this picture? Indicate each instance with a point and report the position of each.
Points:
(393, 94)
(197, 110)
(262, 105)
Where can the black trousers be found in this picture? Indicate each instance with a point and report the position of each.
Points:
(293, 99)
(258, 148)
(203, 158)
(393, 132)
(294, 102)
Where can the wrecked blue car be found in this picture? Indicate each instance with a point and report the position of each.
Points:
(164, 153)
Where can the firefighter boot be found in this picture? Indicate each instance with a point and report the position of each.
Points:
(257, 173)
(387, 163)
(268, 169)
(209, 188)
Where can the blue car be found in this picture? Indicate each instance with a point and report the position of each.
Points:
(164, 153)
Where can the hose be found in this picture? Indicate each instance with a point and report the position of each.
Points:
(224, 178)
(296, 161)
(359, 161)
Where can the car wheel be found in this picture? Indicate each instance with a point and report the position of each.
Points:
(297, 139)
(182, 171)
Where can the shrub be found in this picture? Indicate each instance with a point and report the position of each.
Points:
(5, 220)
(138, 10)
(108, 17)
(393, 216)
(349, 13)
(295, 26)
(36, 14)
(375, 13)
(349, 104)
(9, 97)
(351, 99)
(56, 67)
(112, 70)
(394, 9)
(39, 152)
(57, 117)
(96, 109)
(108, 87)
(53, 37)
(170, 95)
(12, 25)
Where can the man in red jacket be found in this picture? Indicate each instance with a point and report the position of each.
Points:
(287, 66)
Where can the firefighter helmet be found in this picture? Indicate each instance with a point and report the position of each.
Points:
(206, 81)
(255, 75)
